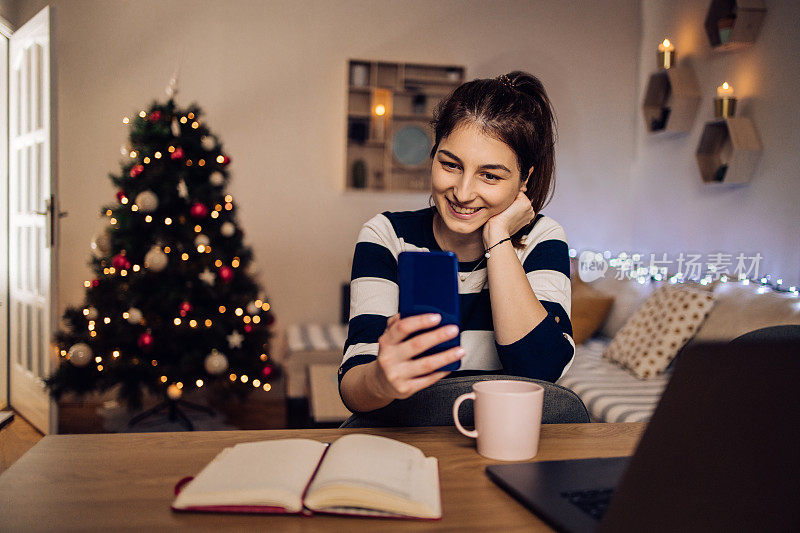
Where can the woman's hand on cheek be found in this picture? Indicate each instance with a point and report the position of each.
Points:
(506, 223)
(398, 374)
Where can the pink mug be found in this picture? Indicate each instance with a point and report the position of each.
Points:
(508, 415)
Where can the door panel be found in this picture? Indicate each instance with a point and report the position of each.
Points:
(32, 209)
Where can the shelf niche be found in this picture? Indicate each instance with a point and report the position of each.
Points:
(734, 24)
(729, 151)
(386, 152)
(671, 100)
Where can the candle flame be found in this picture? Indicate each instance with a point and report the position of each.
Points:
(380, 110)
(666, 43)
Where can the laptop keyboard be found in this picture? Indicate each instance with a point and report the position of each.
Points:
(592, 502)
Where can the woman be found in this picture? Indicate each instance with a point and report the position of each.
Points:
(492, 172)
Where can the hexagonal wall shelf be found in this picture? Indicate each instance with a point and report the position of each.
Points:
(671, 100)
(729, 151)
(734, 24)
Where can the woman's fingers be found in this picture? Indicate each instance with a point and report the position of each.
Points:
(430, 363)
(398, 330)
(417, 345)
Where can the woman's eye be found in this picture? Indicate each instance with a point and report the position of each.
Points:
(491, 177)
(449, 164)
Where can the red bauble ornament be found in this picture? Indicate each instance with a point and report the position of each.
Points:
(269, 318)
(177, 154)
(137, 169)
(155, 116)
(145, 340)
(186, 307)
(225, 274)
(120, 262)
(225, 160)
(121, 195)
(266, 371)
(95, 282)
(198, 210)
(248, 328)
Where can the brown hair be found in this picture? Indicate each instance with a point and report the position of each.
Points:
(513, 108)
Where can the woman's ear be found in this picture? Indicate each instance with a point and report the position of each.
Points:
(524, 187)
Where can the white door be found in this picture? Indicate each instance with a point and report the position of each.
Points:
(5, 33)
(32, 224)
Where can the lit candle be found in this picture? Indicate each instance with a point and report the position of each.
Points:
(725, 102)
(725, 91)
(666, 54)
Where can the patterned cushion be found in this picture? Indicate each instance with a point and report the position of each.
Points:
(590, 308)
(655, 333)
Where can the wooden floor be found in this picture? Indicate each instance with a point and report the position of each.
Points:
(260, 410)
(16, 438)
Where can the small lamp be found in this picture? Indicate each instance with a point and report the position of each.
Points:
(666, 54)
(725, 102)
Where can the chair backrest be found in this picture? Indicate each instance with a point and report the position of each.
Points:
(773, 333)
(434, 406)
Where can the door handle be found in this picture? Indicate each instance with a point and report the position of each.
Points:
(48, 212)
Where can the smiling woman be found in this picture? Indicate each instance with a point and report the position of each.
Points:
(491, 174)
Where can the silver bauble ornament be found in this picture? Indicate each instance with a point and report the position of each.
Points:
(92, 313)
(227, 229)
(216, 363)
(216, 178)
(80, 354)
(134, 316)
(252, 308)
(101, 245)
(208, 142)
(202, 240)
(147, 201)
(175, 127)
(156, 260)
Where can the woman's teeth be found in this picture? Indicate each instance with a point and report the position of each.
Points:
(463, 210)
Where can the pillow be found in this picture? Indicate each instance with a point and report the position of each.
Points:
(657, 331)
(741, 308)
(628, 295)
(590, 308)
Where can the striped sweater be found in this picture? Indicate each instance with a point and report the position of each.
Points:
(544, 353)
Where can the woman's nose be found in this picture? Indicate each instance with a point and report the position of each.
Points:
(464, 191)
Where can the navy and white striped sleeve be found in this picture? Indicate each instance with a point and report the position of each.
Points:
(546, 352)
(373, 291)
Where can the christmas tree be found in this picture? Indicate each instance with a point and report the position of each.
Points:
(172, 307)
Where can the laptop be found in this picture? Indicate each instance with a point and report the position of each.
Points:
(721, 453)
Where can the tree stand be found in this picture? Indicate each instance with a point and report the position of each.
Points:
(175, 412)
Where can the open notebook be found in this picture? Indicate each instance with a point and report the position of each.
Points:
(356, 475)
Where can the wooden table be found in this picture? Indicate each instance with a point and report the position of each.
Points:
(125, 481)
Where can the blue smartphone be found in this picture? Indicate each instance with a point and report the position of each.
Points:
(429, 284)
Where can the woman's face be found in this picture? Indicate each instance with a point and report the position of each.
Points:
(474, 177)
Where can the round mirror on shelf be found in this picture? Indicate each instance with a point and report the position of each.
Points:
(411, 145)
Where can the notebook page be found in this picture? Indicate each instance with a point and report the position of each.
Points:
(255, 473)
(382, 464)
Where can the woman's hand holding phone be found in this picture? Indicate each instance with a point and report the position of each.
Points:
(398, 374)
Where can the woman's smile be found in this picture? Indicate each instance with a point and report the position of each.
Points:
(461, 211)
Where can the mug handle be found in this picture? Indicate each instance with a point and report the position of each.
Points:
(468, 396)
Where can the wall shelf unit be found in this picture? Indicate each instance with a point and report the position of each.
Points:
(671, 100)
(389, 109)
(734, 24)
(729, 151)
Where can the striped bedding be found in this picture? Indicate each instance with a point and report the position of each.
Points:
(610, 393)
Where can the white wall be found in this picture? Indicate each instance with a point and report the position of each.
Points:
(672, 210)
(270, 76)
